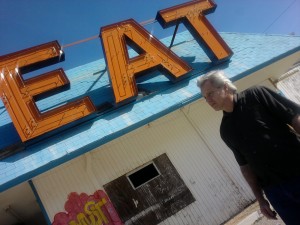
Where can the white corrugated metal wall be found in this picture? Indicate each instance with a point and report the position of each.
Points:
(189, 137)
(289, 84)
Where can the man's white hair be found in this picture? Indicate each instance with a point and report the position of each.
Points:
(217, 78)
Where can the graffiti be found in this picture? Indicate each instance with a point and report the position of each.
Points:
(88, 210)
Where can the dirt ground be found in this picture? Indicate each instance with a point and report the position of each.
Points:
(261, 220)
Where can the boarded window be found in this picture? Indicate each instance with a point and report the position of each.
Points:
(152, 200)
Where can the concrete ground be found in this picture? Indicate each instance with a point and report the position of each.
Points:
(252, 216)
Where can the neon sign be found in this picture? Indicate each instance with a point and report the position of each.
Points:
(18, 95)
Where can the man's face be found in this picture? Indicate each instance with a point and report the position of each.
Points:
(214, 96)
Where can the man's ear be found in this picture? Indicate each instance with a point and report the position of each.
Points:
(226, 88)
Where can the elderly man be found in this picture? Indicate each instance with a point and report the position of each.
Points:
(262, 129)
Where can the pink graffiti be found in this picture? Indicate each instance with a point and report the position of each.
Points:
(82, 209)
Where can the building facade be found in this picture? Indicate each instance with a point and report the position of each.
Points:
(156, 160)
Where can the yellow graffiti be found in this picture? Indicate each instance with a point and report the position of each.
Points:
(93, 215)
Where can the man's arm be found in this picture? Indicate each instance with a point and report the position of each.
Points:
(296, 123)
(251, 179)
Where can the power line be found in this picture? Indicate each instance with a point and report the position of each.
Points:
(274, 21)
(80, 41)
(144, 23)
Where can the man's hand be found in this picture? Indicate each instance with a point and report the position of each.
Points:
(266, 210)
(258, 193)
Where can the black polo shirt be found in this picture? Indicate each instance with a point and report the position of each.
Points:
(257, 133)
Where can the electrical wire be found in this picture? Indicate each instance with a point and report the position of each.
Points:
(278, 17)
(80, 41)
(144, 23)
(150, 21)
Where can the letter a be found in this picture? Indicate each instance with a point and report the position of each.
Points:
(122, 69)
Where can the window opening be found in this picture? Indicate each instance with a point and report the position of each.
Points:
(143, 175)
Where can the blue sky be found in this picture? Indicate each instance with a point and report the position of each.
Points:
(32, 22)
